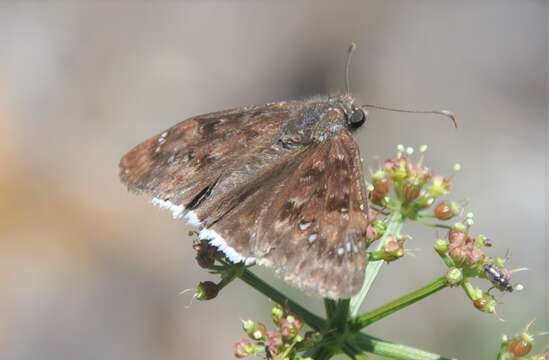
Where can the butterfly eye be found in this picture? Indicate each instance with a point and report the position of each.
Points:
(357, 118)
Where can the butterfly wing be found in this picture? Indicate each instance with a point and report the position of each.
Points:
(180, 166)
(307, 219)
(299, 209)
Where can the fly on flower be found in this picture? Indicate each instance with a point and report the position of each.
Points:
(280, 185)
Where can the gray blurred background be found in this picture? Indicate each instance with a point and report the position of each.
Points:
(89, 271)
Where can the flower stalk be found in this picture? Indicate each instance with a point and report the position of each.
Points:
(393, 351)
(278, 297)
(379, 313)
(395, 224)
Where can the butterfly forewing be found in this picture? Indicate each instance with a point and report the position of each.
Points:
(179, 163)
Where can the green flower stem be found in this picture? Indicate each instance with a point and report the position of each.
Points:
(471, 292)
(341, 316)
(393, 351)
(330, 306)
(396, 221)
(372, 316)
(310, 319)
(502, 353)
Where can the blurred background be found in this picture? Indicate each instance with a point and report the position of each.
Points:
(90, 271)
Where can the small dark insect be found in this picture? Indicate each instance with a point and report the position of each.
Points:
(499, 278)
(280, 185)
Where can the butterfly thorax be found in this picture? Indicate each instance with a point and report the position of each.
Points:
(317, 119)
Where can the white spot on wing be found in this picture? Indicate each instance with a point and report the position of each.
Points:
(161, 140)
(303, 225)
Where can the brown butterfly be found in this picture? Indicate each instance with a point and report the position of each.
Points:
(280, 184)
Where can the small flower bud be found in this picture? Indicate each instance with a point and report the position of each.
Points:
(259, 332)
(486, 303)
(420, 173)
(482, 241)
(393, 249)
(454, 276)
(411, 189)
(446, 211)
(205, 260)
(380, 182)
(380, 188)
(206, 290)
(440, 186)
(520, 345)
(424, 201)
(290, 327)
(205, 253)
(274, 341)
(248, 326)
(457, 235)
(277, 314)
(441, 246)
(396, 169)
(244, 348)
(376, 230)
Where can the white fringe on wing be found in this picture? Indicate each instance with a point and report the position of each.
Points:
(214, 239)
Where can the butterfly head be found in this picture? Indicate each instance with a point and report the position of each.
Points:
(355, 115)
(356, 118)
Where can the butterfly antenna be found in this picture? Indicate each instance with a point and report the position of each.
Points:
(446, 113)
(350, 52)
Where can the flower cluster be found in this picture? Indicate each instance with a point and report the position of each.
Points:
(409, 189)
(283, 343)
(464, 254)
(414, 186)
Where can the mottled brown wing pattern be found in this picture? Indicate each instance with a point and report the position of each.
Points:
(187, 159)
(280, 184)
(307, 220)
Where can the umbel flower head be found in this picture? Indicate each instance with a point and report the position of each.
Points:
(462, 251)
(282, 343)
(408, 186)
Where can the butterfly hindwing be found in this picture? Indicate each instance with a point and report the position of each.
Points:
(325, 210)
(307, 220)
